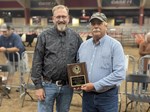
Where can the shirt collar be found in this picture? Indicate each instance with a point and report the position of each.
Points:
(101, 41)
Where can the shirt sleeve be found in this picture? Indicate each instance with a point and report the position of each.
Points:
(37, 64)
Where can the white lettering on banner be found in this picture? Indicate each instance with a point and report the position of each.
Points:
(46, 3)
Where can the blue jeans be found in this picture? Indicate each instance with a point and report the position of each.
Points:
(100, 102)
(62, 95)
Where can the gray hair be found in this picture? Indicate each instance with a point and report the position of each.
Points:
(147, 36)
(59, 7)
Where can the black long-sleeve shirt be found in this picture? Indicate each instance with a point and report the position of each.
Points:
(53, 51)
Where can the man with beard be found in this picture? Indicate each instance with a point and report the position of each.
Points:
(56, 47)
(104, 57)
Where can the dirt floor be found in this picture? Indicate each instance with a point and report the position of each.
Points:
(14, 104)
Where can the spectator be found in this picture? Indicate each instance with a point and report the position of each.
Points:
(144, 49)
(10, 43)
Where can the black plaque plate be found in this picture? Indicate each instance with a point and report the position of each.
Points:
(77, 74)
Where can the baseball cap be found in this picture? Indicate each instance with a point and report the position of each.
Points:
(99, 16)
(4, 27)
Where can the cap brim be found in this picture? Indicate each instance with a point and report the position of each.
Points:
(96, 18)
(3, 29)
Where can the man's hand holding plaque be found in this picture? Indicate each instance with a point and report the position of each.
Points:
(77, 74)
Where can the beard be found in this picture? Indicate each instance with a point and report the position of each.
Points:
(61, 27)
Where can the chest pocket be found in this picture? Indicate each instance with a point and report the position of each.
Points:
(106, 62)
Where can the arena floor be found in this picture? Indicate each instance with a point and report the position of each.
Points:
(14, 104)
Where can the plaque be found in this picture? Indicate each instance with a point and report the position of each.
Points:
(77, 74)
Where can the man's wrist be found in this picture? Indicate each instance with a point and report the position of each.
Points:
(6, 50)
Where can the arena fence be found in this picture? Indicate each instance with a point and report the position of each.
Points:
(128, 35)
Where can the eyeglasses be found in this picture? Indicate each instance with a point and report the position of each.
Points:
(59, 17)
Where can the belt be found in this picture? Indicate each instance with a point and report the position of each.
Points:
(60, 82)
(57, 82)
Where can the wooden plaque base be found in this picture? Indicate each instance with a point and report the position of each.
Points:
(77, 74)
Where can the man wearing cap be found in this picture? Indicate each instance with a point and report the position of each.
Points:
(9, 44)
(104, 57)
